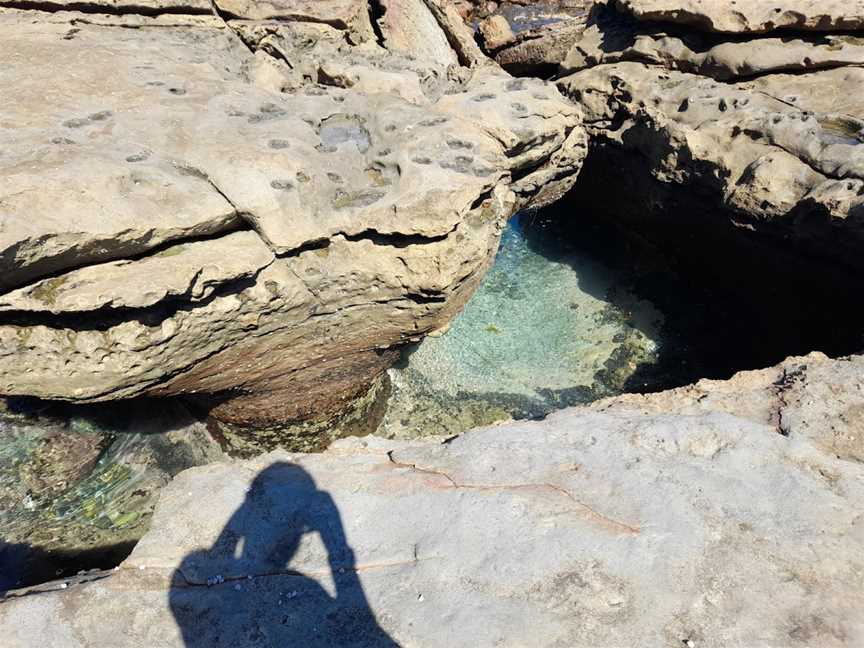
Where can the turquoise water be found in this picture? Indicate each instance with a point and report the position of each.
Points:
(542, 332)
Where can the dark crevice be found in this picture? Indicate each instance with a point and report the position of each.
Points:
(94, 8)
(528, 169)
(427, 298)
(107, 318)
(481, 199)
(241, 226)
(463, 59)
(376, 13)
(23, 565)
(397, 239)
(309, 246)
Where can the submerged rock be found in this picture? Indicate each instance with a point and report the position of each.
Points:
(256, 212)
(78, 486)
(540, 334)
(704, 516)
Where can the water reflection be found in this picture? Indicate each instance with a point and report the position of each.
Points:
(242, 591)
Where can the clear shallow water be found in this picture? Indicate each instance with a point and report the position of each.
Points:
(77, 485)
(542, 332)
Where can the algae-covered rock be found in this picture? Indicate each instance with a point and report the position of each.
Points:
(77, 487)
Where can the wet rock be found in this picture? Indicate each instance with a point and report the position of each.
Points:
(189, 237)
(545, 527)
(542, 35)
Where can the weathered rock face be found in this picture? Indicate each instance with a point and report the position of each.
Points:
(259, 210)
(715, 515)
(749, 16)
(531, 38)
(760, 132)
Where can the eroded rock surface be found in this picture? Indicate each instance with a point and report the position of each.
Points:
(715, 515)
(260, 210)
(752, 15)
(761, 131)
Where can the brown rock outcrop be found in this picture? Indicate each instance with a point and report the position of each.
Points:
(762, 131)
(258, 211)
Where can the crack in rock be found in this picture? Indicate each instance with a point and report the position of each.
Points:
(604, 521)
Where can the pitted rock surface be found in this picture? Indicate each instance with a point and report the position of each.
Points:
(265, 206)
(756, 132)
(751, 16)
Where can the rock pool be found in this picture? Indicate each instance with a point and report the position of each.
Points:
(542, 332)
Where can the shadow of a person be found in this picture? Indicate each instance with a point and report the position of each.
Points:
(241, 591)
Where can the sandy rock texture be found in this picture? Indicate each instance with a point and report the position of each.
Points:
(762, 131)
(258, 204)
(721, 514)
(751, 16)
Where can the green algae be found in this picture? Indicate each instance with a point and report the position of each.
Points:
(84, 481)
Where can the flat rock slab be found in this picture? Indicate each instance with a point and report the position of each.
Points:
(682, 518)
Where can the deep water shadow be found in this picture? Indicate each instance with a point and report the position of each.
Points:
(242, 592)
(731, 300)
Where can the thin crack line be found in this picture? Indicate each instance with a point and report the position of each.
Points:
(591, 513)
(293, 573)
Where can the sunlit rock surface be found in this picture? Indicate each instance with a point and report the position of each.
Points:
(258, 212)
(759, 131)
(722, 514)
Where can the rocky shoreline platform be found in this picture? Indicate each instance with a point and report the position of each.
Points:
(721, 514)
(227, 226)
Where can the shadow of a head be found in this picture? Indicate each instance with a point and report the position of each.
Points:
(243, 591)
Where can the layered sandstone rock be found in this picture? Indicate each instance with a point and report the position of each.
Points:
(715, 515)
(761, 131)
(751, 16)
(260, 210)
